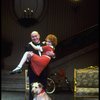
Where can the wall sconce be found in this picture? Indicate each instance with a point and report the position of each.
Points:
(75, 4)
(28, 18)
(28, 13)
(75, 1)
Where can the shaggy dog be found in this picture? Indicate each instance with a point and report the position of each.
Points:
(38, 91)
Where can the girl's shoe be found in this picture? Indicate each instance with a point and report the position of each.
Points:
(16, 70)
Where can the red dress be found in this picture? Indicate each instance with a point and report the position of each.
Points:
(38, 63)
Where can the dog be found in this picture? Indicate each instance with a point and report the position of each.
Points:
(39, 92)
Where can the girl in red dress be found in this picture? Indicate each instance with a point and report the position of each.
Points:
(38, 63)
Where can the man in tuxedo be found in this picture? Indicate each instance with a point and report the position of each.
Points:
(35, 37)
(42, 78)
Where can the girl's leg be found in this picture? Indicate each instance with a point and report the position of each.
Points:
(26, 56)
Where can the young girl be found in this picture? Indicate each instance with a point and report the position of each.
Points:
(38, 63)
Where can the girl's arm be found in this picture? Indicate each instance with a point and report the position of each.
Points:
(36, 47)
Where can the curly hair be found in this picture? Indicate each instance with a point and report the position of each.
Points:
(52, 38)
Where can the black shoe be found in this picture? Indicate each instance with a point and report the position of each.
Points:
(16, 71)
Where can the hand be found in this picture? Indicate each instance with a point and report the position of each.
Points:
(50, 53)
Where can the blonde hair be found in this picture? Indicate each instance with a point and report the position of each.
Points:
(52, 38)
